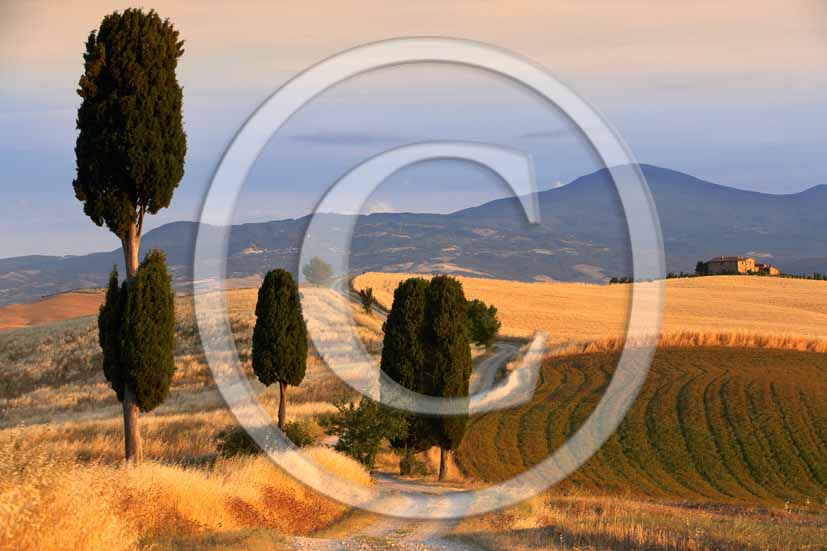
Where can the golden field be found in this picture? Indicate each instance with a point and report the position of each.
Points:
(61, 468)
(706, 310)
(54, 308)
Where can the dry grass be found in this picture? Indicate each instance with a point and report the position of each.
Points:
(709, 306)
(596, 523)
(56, 503)
(54, 308)
(52, 372)
(62, 483)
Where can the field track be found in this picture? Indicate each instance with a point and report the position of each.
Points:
(728, 425)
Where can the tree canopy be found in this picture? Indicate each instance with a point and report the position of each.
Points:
(131, 145)
(318, 272)
(483, 324)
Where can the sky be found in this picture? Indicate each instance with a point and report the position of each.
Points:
(729, 91)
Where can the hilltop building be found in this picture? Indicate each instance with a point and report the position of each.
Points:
(738, 265)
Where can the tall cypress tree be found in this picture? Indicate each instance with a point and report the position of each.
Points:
(403, 360)
(136, 330)
(280, 335)
(447, 359)
(131, 144)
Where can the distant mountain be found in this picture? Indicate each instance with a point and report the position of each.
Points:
(582, 237)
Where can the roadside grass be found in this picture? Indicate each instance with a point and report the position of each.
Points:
(50, 503)
(711, 425)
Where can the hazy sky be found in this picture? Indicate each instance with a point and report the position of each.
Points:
(732, 92)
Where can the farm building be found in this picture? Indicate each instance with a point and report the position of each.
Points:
(738, 265)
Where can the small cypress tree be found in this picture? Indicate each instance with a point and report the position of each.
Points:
(403, 360)
(447, 358)
(366, 298)
(136, 330)
(280, 335)
(109, 333)
(148, 333)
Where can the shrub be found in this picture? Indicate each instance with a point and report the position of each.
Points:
(362, 428)
(482, 321)
(299, 433)
(236, 440)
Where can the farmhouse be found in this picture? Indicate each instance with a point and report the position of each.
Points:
(738, 265)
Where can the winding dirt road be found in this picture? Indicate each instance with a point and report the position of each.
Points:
(377, 532)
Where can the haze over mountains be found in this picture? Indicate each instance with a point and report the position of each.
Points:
(582, 237)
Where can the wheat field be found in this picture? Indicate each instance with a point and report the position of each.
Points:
(707, 310)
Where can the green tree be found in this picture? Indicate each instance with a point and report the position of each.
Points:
(366, 298)
(447, 359)
(362, 428)
(318, 272)
(483, 324)
(136, 330)
(280, 335)
(700, 268)
(131, 144)
(403, 360)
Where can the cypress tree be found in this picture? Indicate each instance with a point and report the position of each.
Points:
(148, 333)
(109, 333)
(131, 144)
(136, 331)
(447, 358)
(280, 335)
(403, 360)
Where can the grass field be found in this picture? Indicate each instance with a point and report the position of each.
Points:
(717, 425)
(62, 480)
(725, 449)
(582, 312)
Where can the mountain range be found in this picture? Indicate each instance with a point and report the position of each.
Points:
(582, 237)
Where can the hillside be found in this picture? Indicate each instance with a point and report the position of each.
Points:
(711, 424)
(582, 237)
(708, 305)
(54, 308)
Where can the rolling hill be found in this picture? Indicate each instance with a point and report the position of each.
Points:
(582, 237)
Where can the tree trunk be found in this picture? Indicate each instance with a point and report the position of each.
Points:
(133, 449)
(406, 462)
(443, 464)
(131, 244)
(282, 407)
